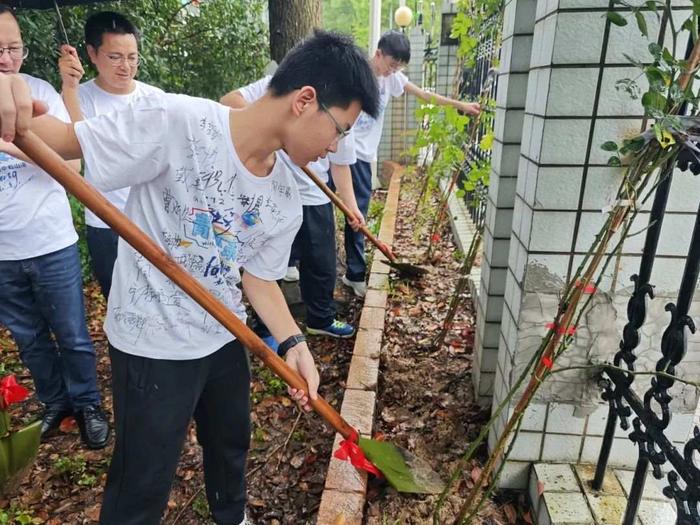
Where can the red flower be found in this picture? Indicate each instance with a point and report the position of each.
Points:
(11, 391)
(547, 362)
(436, 237)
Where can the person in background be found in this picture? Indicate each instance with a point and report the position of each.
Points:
(41, 287)
(392, 55)
(112, 42)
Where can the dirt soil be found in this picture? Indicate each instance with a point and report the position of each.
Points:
(426, 400)
(425, 404)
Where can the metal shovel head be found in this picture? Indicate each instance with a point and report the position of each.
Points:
(403, 470)
(406, 270)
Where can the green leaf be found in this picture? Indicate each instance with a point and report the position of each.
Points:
(655, 50)
(653, 100)
(651, 4)
(655, 75)
(641, 23)
(486, 142)
(614, 162)
(616, 18)
(609, 146)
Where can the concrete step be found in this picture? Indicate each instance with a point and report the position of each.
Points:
(561, 494)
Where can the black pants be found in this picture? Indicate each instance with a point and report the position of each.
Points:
(154, 401)
(314, 247)
(314, 250)
(355, 241)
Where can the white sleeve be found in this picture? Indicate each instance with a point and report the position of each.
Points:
(397, 83)
(345, 155)
(44, 91)
(271, 260)
(256, 90)
(129, 146)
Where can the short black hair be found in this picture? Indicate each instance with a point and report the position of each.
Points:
(397, 45)
(108, 22)
(4, 8)
(334, 66)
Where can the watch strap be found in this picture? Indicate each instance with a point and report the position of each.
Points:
(289, 343)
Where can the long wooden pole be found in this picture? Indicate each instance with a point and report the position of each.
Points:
(383, 247)
(49, 161)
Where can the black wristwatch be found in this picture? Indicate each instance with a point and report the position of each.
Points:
(288, 343)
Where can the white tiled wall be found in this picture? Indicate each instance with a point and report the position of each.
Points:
(561, 186)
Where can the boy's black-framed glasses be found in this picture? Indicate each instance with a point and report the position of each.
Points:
(342, 133)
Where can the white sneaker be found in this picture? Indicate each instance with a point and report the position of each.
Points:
(358, 287)
(292, 274)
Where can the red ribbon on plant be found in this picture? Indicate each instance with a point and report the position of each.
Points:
(11, 391)
(350, 451)
(588, 289)
(570, 330)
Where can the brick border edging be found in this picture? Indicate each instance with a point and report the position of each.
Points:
(343, 498)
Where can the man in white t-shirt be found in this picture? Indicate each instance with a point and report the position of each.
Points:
(393, 53)
(41, 288)
(314, 246)
(208, 186)
(112, 42)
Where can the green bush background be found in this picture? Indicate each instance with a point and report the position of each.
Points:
(201, 49)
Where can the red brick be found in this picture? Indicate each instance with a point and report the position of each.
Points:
(368, 343)
(372, 318)
(358, 409)
(376, 298)
(340, 508)
(379, 267)
(363, 373)
(378, 281)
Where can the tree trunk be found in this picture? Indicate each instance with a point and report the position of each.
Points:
(290, 22)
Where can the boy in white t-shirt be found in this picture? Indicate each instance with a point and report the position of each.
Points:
(314, 246)
(112, 42)
(208, 186)
(393, 53)
(41, 287)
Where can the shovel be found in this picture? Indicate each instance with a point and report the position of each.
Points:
(404, 269)
(402, 470)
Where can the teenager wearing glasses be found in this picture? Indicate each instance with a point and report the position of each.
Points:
(210, 188)
(112, 42)
(41, 288)
(314, 248)
(392, 55)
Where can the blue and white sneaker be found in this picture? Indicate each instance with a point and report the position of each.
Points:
(337, 328)
(271, 342)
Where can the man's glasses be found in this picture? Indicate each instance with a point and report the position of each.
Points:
(116, 59)
(342, 132)
(15, 52)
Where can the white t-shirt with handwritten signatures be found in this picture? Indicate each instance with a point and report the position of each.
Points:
(368, 131)
(96, 101)
(311, 195)
(193, 196)
(35, 217)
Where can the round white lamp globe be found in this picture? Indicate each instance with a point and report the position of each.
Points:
(403, 16)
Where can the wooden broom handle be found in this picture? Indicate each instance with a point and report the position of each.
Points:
(343, 207)
(54, 165)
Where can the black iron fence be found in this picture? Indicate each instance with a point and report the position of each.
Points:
(651, 414)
